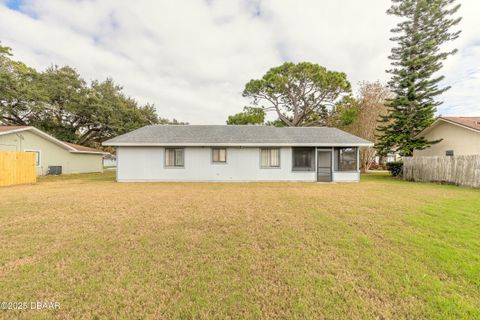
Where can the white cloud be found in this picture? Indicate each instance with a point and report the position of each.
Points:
(192, 58)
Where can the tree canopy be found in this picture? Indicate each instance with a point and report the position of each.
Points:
(250, 115)
(300, 94)
(416, 59)
(60, 102)
(359, 116)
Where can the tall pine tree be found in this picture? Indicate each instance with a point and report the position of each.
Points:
(416, 59)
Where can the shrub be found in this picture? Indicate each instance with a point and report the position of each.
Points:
(395, 168)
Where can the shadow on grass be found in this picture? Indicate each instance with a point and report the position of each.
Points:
(107, 176)
(385, 177)
(378, 176)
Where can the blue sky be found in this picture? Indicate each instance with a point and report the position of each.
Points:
(192, 58)
(14, 4)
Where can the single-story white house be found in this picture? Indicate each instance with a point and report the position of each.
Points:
(237, 153)
(52, 156)
(460, 137)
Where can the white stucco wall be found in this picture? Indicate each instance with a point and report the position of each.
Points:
(461, 140)
(51, 154)
(243, 164)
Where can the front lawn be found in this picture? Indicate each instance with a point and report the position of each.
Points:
(380, 248)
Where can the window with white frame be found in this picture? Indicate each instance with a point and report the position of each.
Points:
(37, 157)
(219, 155)
(174, 157)
(270, 157)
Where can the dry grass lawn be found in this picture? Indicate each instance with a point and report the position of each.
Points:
(381, 249)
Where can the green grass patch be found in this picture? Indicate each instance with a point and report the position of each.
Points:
(381, 248)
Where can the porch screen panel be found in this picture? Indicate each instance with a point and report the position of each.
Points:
(346, 159)
(303, 159)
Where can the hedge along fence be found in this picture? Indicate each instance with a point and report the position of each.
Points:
(458, 170)
(17, 168)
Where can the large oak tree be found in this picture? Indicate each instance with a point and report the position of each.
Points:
(61, 103)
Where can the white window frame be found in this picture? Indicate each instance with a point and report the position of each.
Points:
(279, 158)
(213, 158)
(39, 156)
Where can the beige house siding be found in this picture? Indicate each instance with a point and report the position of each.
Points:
(462, 141)
(51, 154)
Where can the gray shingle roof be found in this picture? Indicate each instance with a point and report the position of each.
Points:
(226, 135)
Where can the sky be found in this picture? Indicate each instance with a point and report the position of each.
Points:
(192, 58)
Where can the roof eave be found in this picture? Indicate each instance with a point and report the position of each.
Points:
(43, 135)
(437, 121)
(459, 124)
(149, 144)
(91, 152)
(51, 139)
(15, 130)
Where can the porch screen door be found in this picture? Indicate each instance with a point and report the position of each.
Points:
(324, 166)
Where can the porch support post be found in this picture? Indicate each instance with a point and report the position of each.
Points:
(332, 165)
(333, 159)
(358, 159)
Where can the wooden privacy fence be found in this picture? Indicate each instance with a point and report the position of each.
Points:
(458, 170)
(17, 168)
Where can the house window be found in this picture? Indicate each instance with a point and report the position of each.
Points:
(303, 159)
(37, 156)
(270, 158)
(174, 157)
(346, 159)
(449, 153)
(219, 155)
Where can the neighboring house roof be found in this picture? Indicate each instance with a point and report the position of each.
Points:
(470, 123)
(236, 135)
(81, 148)
(11, 128)
(71, 147)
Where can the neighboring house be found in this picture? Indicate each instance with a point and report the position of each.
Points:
(237, 153)
(391, 157)
(109, 160)
(461, 136)
(51, 153)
